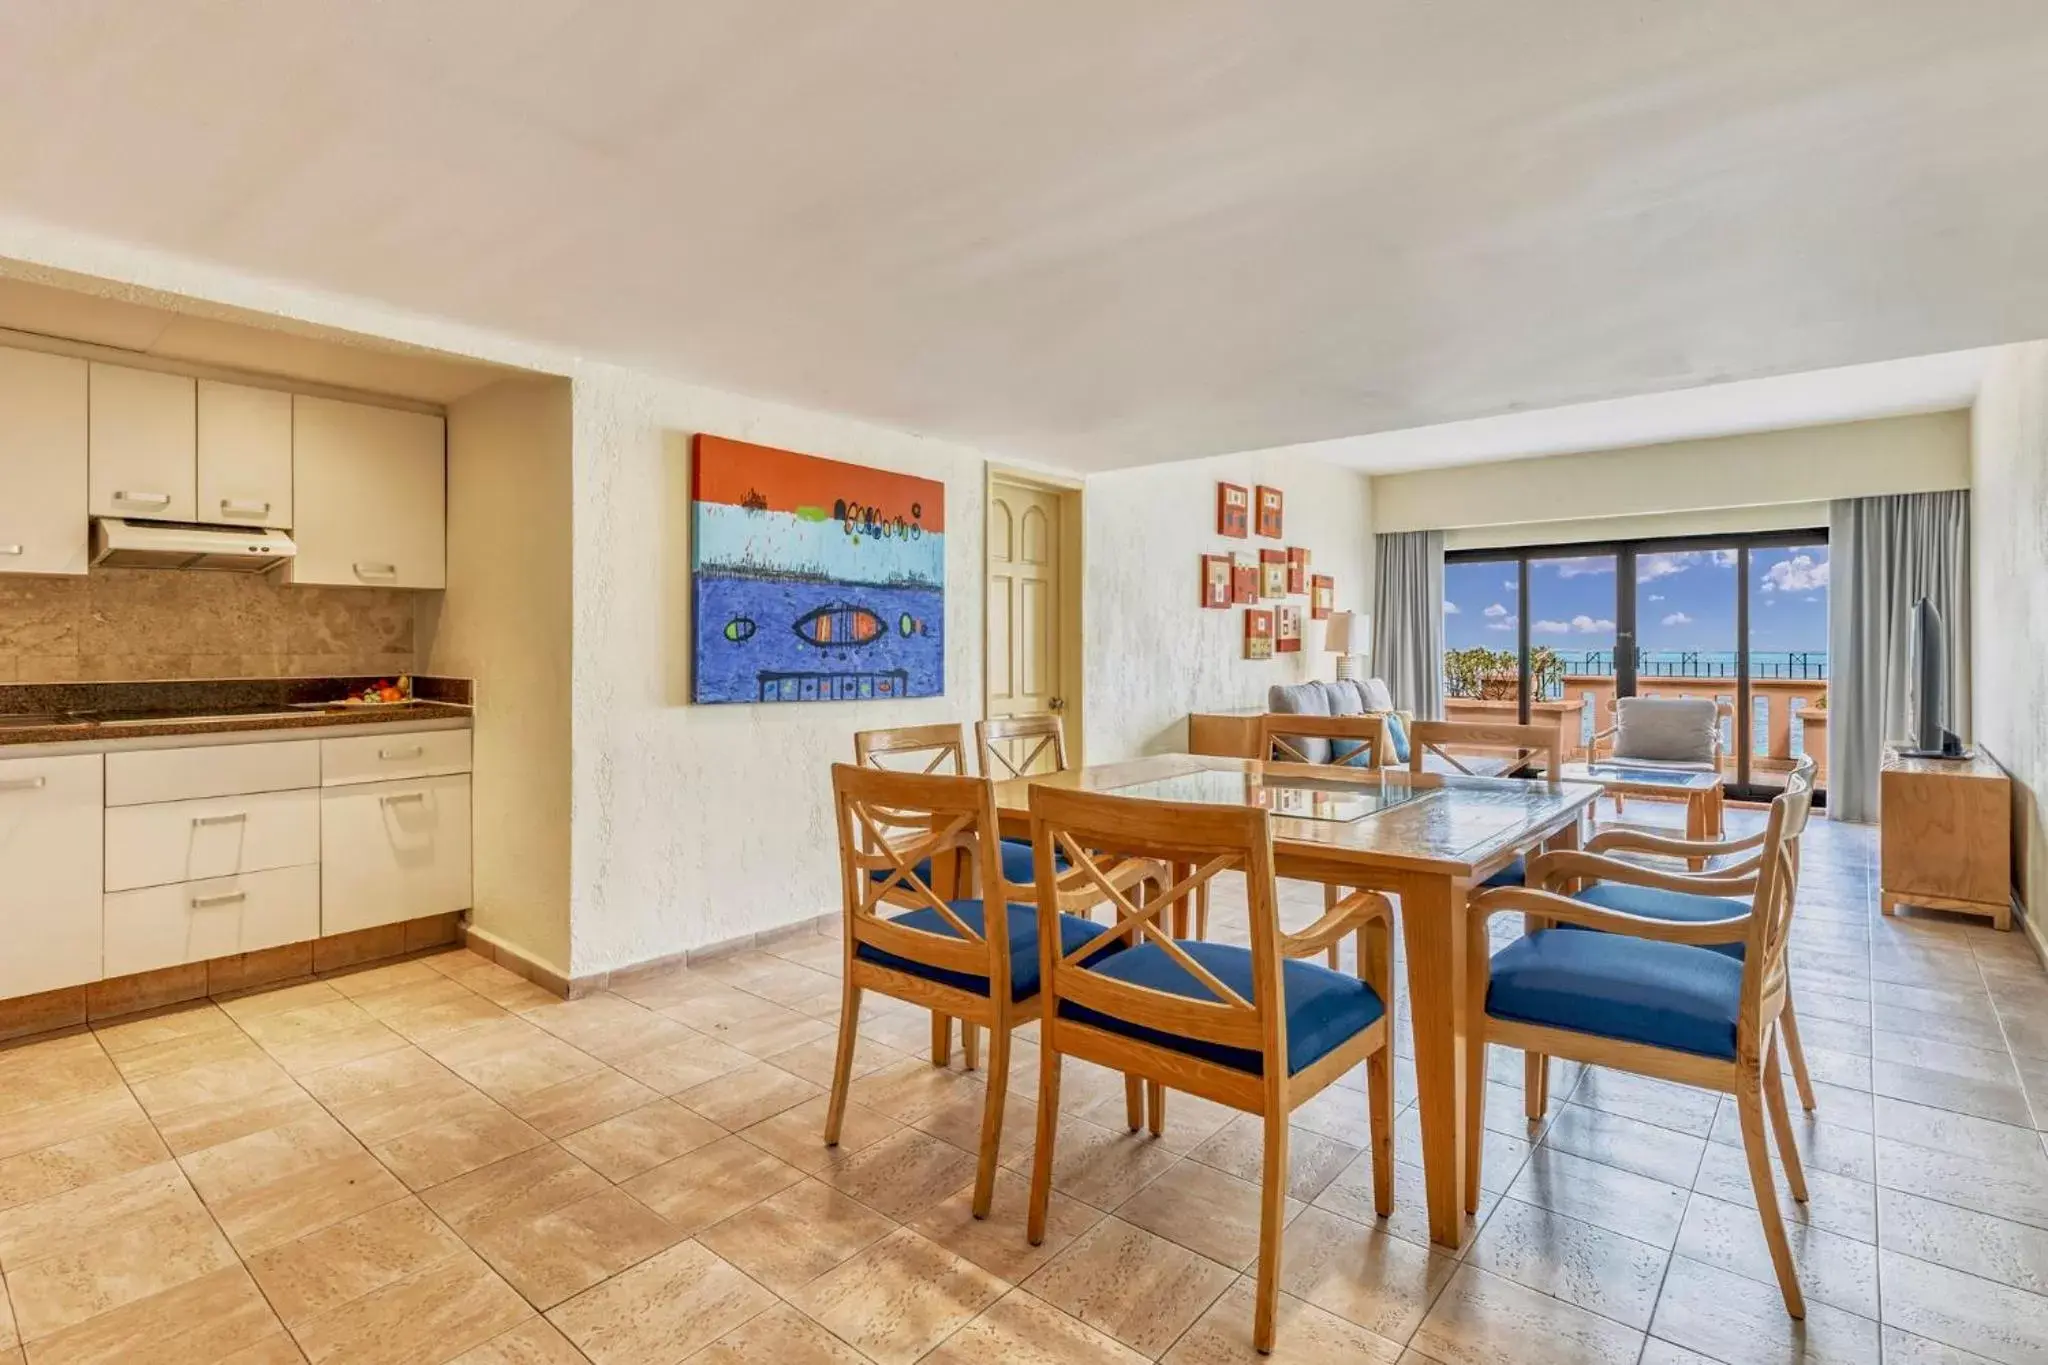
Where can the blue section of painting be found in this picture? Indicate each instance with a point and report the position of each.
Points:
(791, 610)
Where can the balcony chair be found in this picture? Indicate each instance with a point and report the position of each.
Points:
(1677, 734)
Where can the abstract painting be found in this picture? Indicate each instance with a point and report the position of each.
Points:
(1233, 511)
(1216, 581)
(1244, 578)
(1297, 571)
(1322, 597)
(1272, 573)
(1270, 500)
(1287, 632)
(814, 580)
(1258, 633)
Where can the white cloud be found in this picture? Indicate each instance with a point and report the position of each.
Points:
(1724, 558)
(1578, 566)
(1504, 623)
(1650, 568)
(1511, 585)
(1452, 608)
(1656, 597)
(1809, 599)
(1495, 612)
(1578, 625)
(1797, 574)
(1678, 618)
(1551, 627)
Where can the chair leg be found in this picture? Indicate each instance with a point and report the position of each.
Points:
(1379, 1094)
(992, 1115)
(942, 1038)
(1788, 1023)
(1475, 1123)
(1535, 1086)
(1155, 1106)
(1749, 1103)
(1048, 1132)
(970, 1044)
(1272, 1215)
(842, 1063)
(1202, 910)
(1134, 1102)
(1781, 1124)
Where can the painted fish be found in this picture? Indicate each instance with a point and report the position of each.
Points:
(838, 625)
(740, 629)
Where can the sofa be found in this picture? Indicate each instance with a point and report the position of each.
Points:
(1344, 698)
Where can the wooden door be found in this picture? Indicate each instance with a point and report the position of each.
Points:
(1024, 627)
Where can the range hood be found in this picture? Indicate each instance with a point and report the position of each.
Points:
(122, 544)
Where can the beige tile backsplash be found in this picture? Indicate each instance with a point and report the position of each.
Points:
(122, 624)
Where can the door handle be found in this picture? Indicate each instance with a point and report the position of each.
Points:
(1056, 704)
(152, 499)
(10, 549)
(24, 784)
(230, 507)
(366, 569)
(220, 819)
(416, 751)
(224, 898)
(401, 798)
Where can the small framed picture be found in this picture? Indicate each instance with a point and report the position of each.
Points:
(1287, 628)
(1258, 633)
(1273, 573)
(1297, 571)
(1322, 596)
(1216, 581)
(1270, 506)
(1244, 579)
(1233, 510)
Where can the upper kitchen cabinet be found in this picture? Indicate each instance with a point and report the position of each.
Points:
(245, 455)
(369, 494)
(143, 442)
(43, 526)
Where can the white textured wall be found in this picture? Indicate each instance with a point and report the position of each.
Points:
(2009, 583)
(504, 621)
(1809, 464)
(697, 824)
(1153, 652)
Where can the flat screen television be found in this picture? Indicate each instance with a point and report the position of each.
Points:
(1927, 732)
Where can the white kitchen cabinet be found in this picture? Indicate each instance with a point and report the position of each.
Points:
(245, 455)
(393, 851)
(142, 444)
(162, 926)
(369, 495)
(140, 776)
(385, 758)
(43, 526)
(50, 857)
(183, 841)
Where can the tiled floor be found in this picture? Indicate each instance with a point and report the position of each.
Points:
(434, 1160)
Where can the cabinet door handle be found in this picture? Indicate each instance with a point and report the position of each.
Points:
(153, 499)
(244, 509)
(239, 815)
(415, 751)
(402, 798)
(366, 569)
(224, 898)
(10, 549)
(23, 784)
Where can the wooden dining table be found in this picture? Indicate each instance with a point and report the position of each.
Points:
(1425, 838)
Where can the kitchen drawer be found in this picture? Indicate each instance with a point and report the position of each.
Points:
(381, 758)
(393, 851)
(162, 926)
(142, 776)
(49, 873)
(182, 841)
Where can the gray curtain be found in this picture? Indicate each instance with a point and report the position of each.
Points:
(1884, 554)
(1408, 620)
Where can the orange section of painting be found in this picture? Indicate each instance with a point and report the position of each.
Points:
(736, 472)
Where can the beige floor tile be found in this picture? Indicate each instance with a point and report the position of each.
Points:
(2001, 1101)
(41, 1228)
(913, 1087)
(771, 1031)
(1136, 1286)
(1483, 1318)
(198, 1127)
(1903, 1348)
(305, 1201)
(1836, 1204)
(576, 1104)
(525, 1184)
(1303, 1335)
(1605, 1196)
(230, 1168)
(436, 1312)
(1733, 1319)
(322, 1035)
(341, 1263)
(1832, 1269)
(745, 1096)
(116, 1265)
(211, 1083)
(1099, 1166)
(69, 1164)
(118, 1036)
(781, 1336)
(1993, 1320)
(677, 1066)
(1502, 1156)
(1657, 1352)
(52, 1072)
(449, 1147)
(8, 1336)
(899, 1298)
(997, 1243)
(607, 1026)
(1351, 1195)
(1603, 1272)
(1631, 1144)
(815, 1060)
(252, 1005)
(1210, 1213)
(791, 1238)
(166, 1056)
(215, 1318)
(365, 983)
(662, 1309)
(642, 1138)
(1313, 1161)
(1362, 1274)
(510, 1060)
(902, 1175)
(549, 1256)
(712, 1183)
(429, 1010)
(1962, 1239)
(1823, 1146)
(1021, 1330)
(533, 1342)
(1678, 1107)
(958, 1121)
(797, 1135)
(34, 1127)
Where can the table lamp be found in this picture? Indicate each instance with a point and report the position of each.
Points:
(1347, 635)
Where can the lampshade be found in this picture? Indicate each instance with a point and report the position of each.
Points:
(1341, 634)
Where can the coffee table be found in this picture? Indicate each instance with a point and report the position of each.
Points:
(1702, 792)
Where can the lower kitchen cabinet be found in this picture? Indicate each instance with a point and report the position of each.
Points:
(392, 851)
(50, 852)
(162, 926)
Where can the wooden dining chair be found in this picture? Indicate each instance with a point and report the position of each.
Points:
(1654, 996)
(1483, 749)
(1354, 743)
(1620, 889)
(1253, 1028)
(971, 957)
(1001, 738)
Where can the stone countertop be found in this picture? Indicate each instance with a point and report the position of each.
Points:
(87, 731)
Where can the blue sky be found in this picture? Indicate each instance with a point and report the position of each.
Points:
(1685, 601)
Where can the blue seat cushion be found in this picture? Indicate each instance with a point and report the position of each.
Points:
(1668, 995)
(1324, 1008)
(1682, 907)
(1023, 924)
(1017, 865)
(1515, 873)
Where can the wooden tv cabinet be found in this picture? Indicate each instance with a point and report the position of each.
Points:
(1945, 835)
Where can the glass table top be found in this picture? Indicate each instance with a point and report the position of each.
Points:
(1623, 771)
(1302, 798)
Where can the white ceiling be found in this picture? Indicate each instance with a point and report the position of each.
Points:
(1081, 233)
